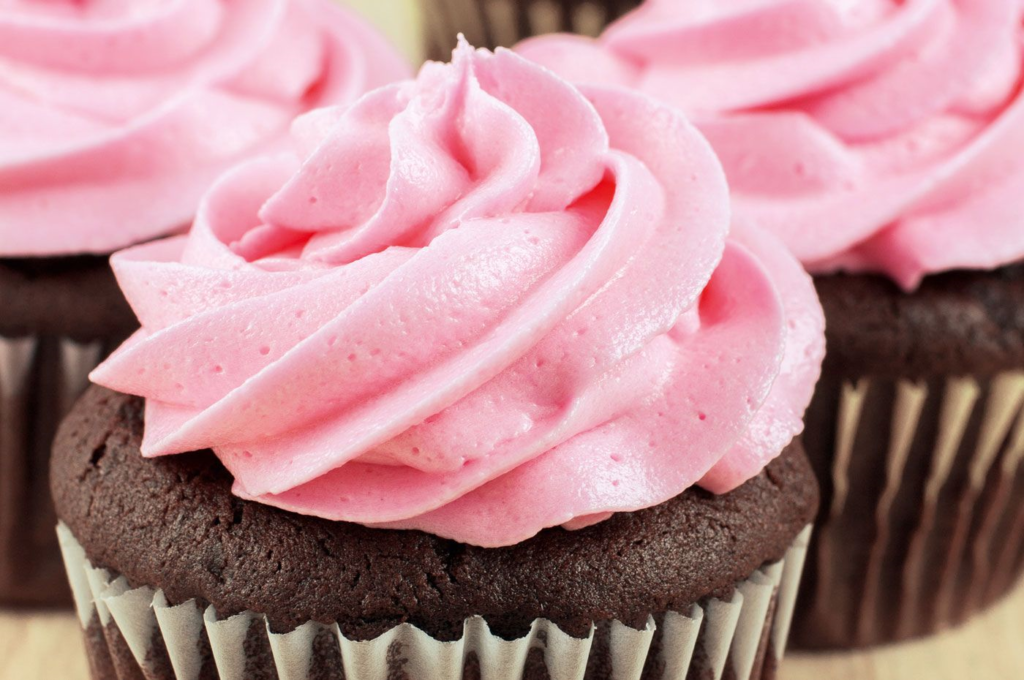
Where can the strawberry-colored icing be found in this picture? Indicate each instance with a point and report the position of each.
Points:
(871, 135)
(116, 115)
(479, 304)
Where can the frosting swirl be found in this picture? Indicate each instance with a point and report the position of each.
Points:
(116, 115)
(479, 304)
(878, 135)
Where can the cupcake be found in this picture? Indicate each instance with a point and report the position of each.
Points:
(495, 23)
(473, 381)
(116, 117)
(881, 141)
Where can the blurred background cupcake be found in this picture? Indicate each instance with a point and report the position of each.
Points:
(882, 141)
(114, 119)
(494, 23)
(512, 403)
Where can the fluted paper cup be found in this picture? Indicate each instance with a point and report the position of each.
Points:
(137, 633)
(922, 517)
(40, 378)
(494, 23)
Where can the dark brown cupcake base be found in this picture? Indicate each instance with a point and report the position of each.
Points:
(743, 636)
(916, 433)
(172, 525)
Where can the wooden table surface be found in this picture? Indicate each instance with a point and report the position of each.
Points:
(47, 646)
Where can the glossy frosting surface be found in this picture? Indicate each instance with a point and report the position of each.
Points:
(116, 115)
(479, 304)
(876, 135)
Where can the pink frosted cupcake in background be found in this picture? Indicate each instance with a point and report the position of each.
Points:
(473, 382)
(115, 117)
(883, 142)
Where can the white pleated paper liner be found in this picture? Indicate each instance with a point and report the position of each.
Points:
(40, 377)
(493, 23)
(925, 526)
(136, 633)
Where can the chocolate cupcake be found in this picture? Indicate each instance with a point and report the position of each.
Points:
(689, 558)
(886, 153)
(112, 128)
(503, 23)
(510, 402)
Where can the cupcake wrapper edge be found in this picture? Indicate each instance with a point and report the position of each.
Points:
(40, 377)
(744, 636)
(923, 528)
(494, 23)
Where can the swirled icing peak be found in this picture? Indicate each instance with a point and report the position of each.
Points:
(116, 115)
(479, 304)
(876, 135)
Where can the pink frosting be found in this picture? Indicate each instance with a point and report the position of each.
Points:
(479, 304)
(116, 115)
(875, 135)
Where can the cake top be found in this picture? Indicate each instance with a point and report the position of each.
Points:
(480, 303)
(367, 580)
(116, 115)
(878, 135)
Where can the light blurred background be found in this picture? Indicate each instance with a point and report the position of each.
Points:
(400, 20)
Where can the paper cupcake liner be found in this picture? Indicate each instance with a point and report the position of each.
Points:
(493, 23)
(136, 633)
(40, 377)
(922, 520)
